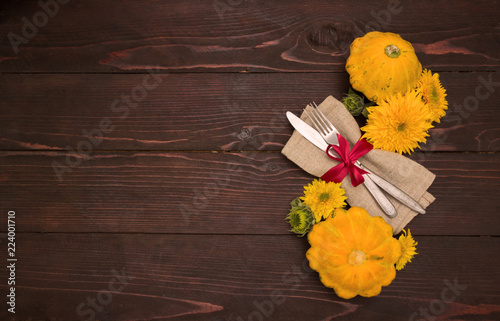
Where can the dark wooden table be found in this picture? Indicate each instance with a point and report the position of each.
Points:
(140, 151)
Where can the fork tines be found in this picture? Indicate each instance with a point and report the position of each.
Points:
(322, 124)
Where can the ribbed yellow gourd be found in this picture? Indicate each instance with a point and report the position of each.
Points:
(382, 64)
(354, 253)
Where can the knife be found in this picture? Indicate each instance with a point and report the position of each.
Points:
(315, 138)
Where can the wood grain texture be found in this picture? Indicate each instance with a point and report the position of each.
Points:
(225, 278)
(222, 35)
(177, 211)
(209, 111)
(226, 193)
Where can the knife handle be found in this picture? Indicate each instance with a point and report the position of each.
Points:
(379, 196)
(376, 192)
(393, 190)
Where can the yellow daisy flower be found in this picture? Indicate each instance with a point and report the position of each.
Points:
(398, 124)
(323, 197)
(433, 94)
(408, 249)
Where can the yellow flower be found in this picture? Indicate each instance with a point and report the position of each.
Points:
(408, 249)
(398, 124)
(323, 197)
(433, 94)
(353, 253)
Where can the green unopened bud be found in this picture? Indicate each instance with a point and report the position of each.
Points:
(365, 112)
(354, 103)
(301, 218)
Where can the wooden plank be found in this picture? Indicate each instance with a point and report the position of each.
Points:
(223, 35)
(223, 193)
(215, 277)
(209, 112)
(185, 111)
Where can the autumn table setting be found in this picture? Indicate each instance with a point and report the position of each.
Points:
(234, 160)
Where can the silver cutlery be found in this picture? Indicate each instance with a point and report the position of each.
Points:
(317, 139)
(326, 130)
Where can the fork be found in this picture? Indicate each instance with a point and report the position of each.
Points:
(329, 134)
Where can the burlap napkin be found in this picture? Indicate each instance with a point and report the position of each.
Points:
(409, 176)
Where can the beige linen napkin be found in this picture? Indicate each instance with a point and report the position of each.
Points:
(409, 176)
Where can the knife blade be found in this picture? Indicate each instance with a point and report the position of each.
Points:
(316, 139)
(307, 131)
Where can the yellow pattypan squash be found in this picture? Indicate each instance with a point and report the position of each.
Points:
(382, 64)
(354, 253)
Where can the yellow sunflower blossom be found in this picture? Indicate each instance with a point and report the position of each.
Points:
(323, 197)
(398, 124)
(408, 249)
(433, 94)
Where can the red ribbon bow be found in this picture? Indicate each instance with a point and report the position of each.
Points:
(347, 161)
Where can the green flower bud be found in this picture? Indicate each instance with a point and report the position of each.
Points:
(300, 218)
(365, 112)
(354, 103)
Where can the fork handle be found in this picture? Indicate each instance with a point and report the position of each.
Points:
(392, 190)
(379, 196)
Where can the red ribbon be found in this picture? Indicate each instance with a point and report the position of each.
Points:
(347, 161)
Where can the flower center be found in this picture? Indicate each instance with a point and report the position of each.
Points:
(356, 258)
(434, 95)
(392, 51)
(295, 219)
(401, 127)
(324, 197)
